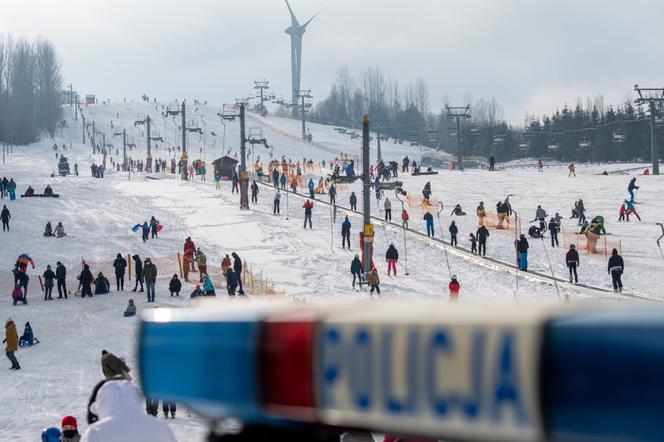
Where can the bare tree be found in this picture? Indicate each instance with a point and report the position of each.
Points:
(421, 96)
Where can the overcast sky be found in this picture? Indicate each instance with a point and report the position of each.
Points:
(531, 55)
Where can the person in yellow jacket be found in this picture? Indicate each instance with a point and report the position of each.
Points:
(11, 341)
(201, 259)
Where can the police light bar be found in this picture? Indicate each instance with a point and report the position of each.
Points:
(452, 372)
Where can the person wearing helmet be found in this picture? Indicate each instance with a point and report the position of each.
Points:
(454, 288)
(572, 258)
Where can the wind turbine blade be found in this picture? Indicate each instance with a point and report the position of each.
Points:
(292, 14)
(312, 18)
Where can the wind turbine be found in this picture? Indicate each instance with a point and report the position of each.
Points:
(296, 31)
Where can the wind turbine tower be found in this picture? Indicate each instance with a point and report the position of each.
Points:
(296, 31)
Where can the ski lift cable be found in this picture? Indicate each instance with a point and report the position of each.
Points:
(555, 282)
(440, 226)
(405, 246)
(660, 239)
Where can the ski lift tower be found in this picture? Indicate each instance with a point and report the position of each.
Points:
(231, 112)
(174, 109)
(143, 119)
(304, 95)
(458, 112)
(262, 86)
(651, 96)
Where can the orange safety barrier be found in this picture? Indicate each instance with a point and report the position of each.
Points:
(500, 222)
(591, 243)
(422, 204)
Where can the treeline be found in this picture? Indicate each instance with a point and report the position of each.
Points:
(593, 132)
(30, 90)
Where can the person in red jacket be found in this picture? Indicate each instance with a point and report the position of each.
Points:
(189, 251)
(404, 218)
(308, 206)
(622, 212)
(454, 288)
(572, 259)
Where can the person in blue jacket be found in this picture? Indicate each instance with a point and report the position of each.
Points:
(345, 233)
(631, 187)
(311, 187)
(356, 269)
(146, 231)
(283, 181)
(208, 288)
(428, 217)
(231, 281)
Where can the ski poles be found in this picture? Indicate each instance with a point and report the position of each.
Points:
(405, 246)
(440, 226)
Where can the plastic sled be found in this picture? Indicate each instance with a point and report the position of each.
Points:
(24, 342)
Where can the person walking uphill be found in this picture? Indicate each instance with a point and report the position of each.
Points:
(120, 264)
(150, 275)
(572, 260)
(428, 217)
(237, 268)
(5, 216)
(616, 268)
(11, 343)
(138, 272)
(356, 269)
(345, 233)
(308, 206)
(392, 256)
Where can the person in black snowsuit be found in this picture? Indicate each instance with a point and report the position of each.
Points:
(175, 285)
(553, 231)
(120, 264)
(138, 267)
(426, 192)
(254, 192)
(231, 282)
(356, 269)
(4, 216)
(48, 276)
(353, 201)
(453, 234)
(85, 279)
(492, 163)
(572, 259)
(61, 278)
(345, 233)
(616, 268)
(275, 177)
(482, 235)
(237, 268)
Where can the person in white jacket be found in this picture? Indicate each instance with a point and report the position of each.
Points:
(116, 413)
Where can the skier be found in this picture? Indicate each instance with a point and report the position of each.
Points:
(426, 192)
(356, 269)
(453, 234)
(621, 212)
(112, 366)
(120, 264)
(553, 231)
(345, 233)
(154, 223)
(572, 259)
(48, 276)
(481, 213)
(237, 269)
(388, 209)
(11, 341)
(70, 429)
(572, 170)
(391, 256)
(277, 202)
(308, 206)
(631, 187)
(404, 218)
(311, 188)
(138, 272)
(61, 278)
(293, 185)
(175, 285)
(374, 281)
(130, 310)
(116, 413)
(254, 192)
(85, 281)
(5, 216)
(482, 235)
(616, 268)
(540, 165)
(428, 217)
(454, 288)
(522, 252)
(404, 164)
(150, 275)
(473, 243)
(630, 210)
(333, 194)
(353, 201)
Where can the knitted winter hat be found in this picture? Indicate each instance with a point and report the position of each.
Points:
(69, 421)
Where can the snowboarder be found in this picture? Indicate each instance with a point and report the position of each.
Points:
(48, 229)
(28, 336)
(616, 268)
(553, 231)
(120, 264)
(85, 281)
(374, 281)
(473, 243)
(150, 275)
(572, 259)
(130, 310)
(522, 252)
(454, 230)
(428, 217)
(61, 278)
(276, 210)
(138, 272)
(356, 269)
(345, 233)
(5, 216)
(175, 285)
(631, 187)
(11, 341)
(482, 235)
(388, 209)
(112, 366)
(308, 206)
(48, 276)
(353, 201)
(391, 256)
(454, 288)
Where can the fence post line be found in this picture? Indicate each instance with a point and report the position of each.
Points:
(180, 264)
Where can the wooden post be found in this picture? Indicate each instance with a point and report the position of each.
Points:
(180, 264)
(41, 283)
